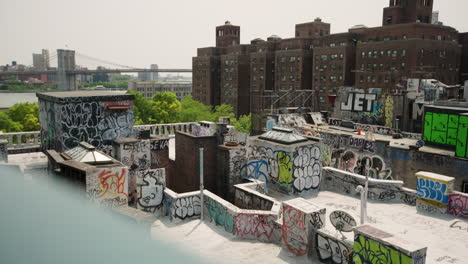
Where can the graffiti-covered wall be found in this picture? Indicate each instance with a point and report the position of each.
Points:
(376, 246)
(379, 160)
(151, 184)
(107, 186)
(96, 118)
(293, 169)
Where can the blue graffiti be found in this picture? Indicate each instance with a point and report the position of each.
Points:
(433, 190)
(257, 169)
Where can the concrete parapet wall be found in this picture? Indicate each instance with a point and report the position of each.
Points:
(182, 206)
(372, 245)
(328, 248)
(245, 224)
(379, 190)
(248, 198)
(458, 204)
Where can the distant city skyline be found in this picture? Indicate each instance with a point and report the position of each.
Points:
(141, 32)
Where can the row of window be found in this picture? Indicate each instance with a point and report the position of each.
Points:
(381, 67)
(382, 53)
(329, 57)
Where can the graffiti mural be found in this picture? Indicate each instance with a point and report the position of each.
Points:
(367, 165)
(257, 169)
(458, 204)
(112, 184)
(285, 168)
(219, 214)
(92, 123)
(187, 207)
(307, 168)
(258, 227)
(331, 250)
(359, 102)
(294, 230)
(433, 190)
(367, 250)
(151, 188)
(389, 111)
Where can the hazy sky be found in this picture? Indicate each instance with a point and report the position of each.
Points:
(140, 32)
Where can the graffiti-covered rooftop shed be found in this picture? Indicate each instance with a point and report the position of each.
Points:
(93, 117)
(285, 161)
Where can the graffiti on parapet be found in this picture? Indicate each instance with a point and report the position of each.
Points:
(159, 145)
(140, 146)
(259, 227)
(342, 221)
(372, 166)
(187, 207)
(458, 204)
(294, 231)
(331, 250)
(367, 250)
(220, 215)
(151, 189)
(433, 190)
(307, 168)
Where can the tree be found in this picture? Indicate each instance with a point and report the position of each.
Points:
(8, 125)
(193, 111)
(243, 124)
(165, 108)
(222, 110)
(25, 114)
(142, 108)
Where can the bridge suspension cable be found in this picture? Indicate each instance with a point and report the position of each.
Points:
(103, 61)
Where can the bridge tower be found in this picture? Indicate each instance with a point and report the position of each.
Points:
(66, 62)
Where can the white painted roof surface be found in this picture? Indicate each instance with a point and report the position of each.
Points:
(445, 244)
(206, 241)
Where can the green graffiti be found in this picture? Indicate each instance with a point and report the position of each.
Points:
(285, 167)
(368, 251)
(462, 138)
(219, 214)
(441, 128)
(428, 127)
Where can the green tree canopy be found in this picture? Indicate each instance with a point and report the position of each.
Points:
(165, 108)
(8, 125)
(26, 115)
(193, 111)
(243, 124)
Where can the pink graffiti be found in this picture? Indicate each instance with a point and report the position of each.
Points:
(458, 204)
(294, 231)
(254, 226)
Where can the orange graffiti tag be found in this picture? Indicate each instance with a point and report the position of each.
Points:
(112, 184)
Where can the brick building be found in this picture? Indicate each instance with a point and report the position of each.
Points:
(310, 69)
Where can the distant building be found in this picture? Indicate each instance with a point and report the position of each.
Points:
(149, 76)
(148, 89)
(41, 61)
(435, 18)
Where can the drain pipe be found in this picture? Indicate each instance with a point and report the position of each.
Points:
(201, 183)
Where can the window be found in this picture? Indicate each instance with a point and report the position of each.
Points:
(394, 53)
(403, 52)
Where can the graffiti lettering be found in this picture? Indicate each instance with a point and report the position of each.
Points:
(458, 204)
(112, 184)
(307, 168)
(342, 221)
(151, 189)
(331, 249)
(294, 231)
(432, 190)
(187, 207)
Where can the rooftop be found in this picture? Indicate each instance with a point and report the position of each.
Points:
(82, 96)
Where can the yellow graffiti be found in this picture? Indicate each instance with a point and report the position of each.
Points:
(285, 168)
(389, 111)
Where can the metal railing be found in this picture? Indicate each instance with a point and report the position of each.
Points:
(24, 140)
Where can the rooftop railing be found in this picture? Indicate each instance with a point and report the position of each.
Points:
(32, 139)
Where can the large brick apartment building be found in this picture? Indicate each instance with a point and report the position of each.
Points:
(309, 69)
